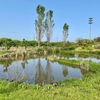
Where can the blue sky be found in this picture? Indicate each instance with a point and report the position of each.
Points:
(17, 18)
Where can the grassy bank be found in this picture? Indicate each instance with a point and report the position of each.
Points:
(53, 50)
(92, 66)
(87, 88)
(74, 63)
(3, 52)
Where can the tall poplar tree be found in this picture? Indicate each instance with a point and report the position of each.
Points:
(39, 24)
(65, 32)
(49, 24)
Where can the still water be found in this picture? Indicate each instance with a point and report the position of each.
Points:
(88, 57)
(38, 71)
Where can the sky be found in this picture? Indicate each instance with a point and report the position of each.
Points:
(17, 18)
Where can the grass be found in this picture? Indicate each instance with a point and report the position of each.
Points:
(92, 66)
(4, 52)
(74, 63)
(87, 88)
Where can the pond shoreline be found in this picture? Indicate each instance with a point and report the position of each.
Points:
(92, 66)
(85, 88)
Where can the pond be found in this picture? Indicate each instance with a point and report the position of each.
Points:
(81, 56)
(37, 71)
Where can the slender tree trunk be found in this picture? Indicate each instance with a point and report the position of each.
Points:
(64, 43)
(6, 49)
(47, 43)
(39, 44)
(39, 38)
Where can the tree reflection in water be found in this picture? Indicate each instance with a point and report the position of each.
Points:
(24, 62)
(12, 73)
(48, 73)
(65, 71)
(40, 75)
(6, 65)
(84, 72)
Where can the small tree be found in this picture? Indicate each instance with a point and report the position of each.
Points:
(25, 43)
(39, 24)
(16, 43)
(79, 41)
(65, 32)
(7, 43)
(97, 39)
(49, 24)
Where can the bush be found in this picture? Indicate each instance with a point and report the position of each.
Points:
(88, 48)
(84, 65)
(56, 50)
(69, 48)
(83, 47)
(97, 46)
(40, 50)
(85, 44)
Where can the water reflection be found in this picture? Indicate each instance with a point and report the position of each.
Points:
(40, 75)
(24, 62)
(48, 73)
(92, 57)
(43, 76)
(6, 64)
(64, 70)
(84, 71)
(68, 55)
(12, 70)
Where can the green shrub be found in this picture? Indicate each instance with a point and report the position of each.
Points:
(88, 48)
(57, 50)
(97, 46)
(84, 65)
(83, 47)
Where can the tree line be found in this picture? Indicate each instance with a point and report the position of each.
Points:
(7, 43)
